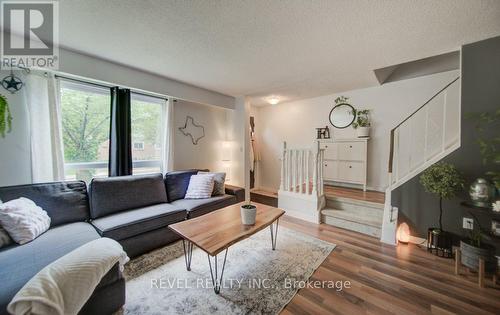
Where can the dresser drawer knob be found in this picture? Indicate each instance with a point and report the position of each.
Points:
(350, 166)
(350, 146)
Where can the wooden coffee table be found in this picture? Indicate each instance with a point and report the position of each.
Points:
(216, 231)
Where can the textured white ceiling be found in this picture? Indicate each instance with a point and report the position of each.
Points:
(291, 49)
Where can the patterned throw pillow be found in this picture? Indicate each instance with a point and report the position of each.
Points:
(200, 186)
(219, 183)
(23, 220)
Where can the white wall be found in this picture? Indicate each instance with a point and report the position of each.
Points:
(208, 152)
(295, 122)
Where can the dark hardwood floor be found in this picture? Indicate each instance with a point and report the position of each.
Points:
(387, 280)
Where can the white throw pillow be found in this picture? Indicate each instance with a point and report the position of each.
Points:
(23, 220)
(200, 186)
(219, 183)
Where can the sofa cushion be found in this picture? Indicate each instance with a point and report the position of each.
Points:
(19, 263)
(198, 207)
(177, 183)
(65, 202)
(114, 194)
(133, 222)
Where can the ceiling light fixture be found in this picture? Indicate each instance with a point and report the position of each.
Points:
(273, 100)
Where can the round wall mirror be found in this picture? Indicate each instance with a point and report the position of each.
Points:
(342, 115)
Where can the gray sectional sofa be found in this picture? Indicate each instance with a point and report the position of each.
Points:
(134, 210)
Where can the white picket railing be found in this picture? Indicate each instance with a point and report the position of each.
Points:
(301, 170)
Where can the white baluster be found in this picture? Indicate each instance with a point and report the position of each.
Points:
(307, 171)
(315, 171)
(322, 183)
(292, 173)
(289, 185)
(301, 171)
(283, 156)
(296, 170)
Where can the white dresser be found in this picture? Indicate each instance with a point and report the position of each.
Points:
(345, 160)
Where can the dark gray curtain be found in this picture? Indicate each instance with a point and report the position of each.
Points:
(120, 139)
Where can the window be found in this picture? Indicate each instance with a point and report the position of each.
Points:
(146, 133)
(85, 121)
(85, 112)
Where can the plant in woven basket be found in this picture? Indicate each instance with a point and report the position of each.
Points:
(5, 117)
(443, 180)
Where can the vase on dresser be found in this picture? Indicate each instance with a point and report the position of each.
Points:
(363, 132)
(345, 160)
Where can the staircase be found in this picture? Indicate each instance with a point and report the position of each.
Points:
(423, 138)
(420, 140)
(353, 214)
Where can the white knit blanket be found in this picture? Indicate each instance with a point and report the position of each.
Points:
(64, 286)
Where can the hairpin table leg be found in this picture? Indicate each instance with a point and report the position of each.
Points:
(188, 253)
(274, 234)
(216, 280)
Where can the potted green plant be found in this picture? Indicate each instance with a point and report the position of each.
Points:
(489, 142)
(443, 180)
(5, 117)
(474, 248)
(248, 214)
(362, 123)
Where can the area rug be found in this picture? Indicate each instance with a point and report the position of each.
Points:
(257, 280)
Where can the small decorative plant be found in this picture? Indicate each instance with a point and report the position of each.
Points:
(489, 145)
(341, 100)
(477, 234)
(248, 213)
(444, 180)
(5, 117)
(362, 118)
(249, 205)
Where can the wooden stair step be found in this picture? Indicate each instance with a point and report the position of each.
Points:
(352, 221)
(354, 217)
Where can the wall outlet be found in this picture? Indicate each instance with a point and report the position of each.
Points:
(468, 223)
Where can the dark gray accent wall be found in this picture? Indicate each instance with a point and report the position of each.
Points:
(480, 92)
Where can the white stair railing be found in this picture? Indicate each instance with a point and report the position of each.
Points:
(301, 171)
(426, 136)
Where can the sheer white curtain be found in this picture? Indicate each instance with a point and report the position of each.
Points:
(42, 96)
(167, 154)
